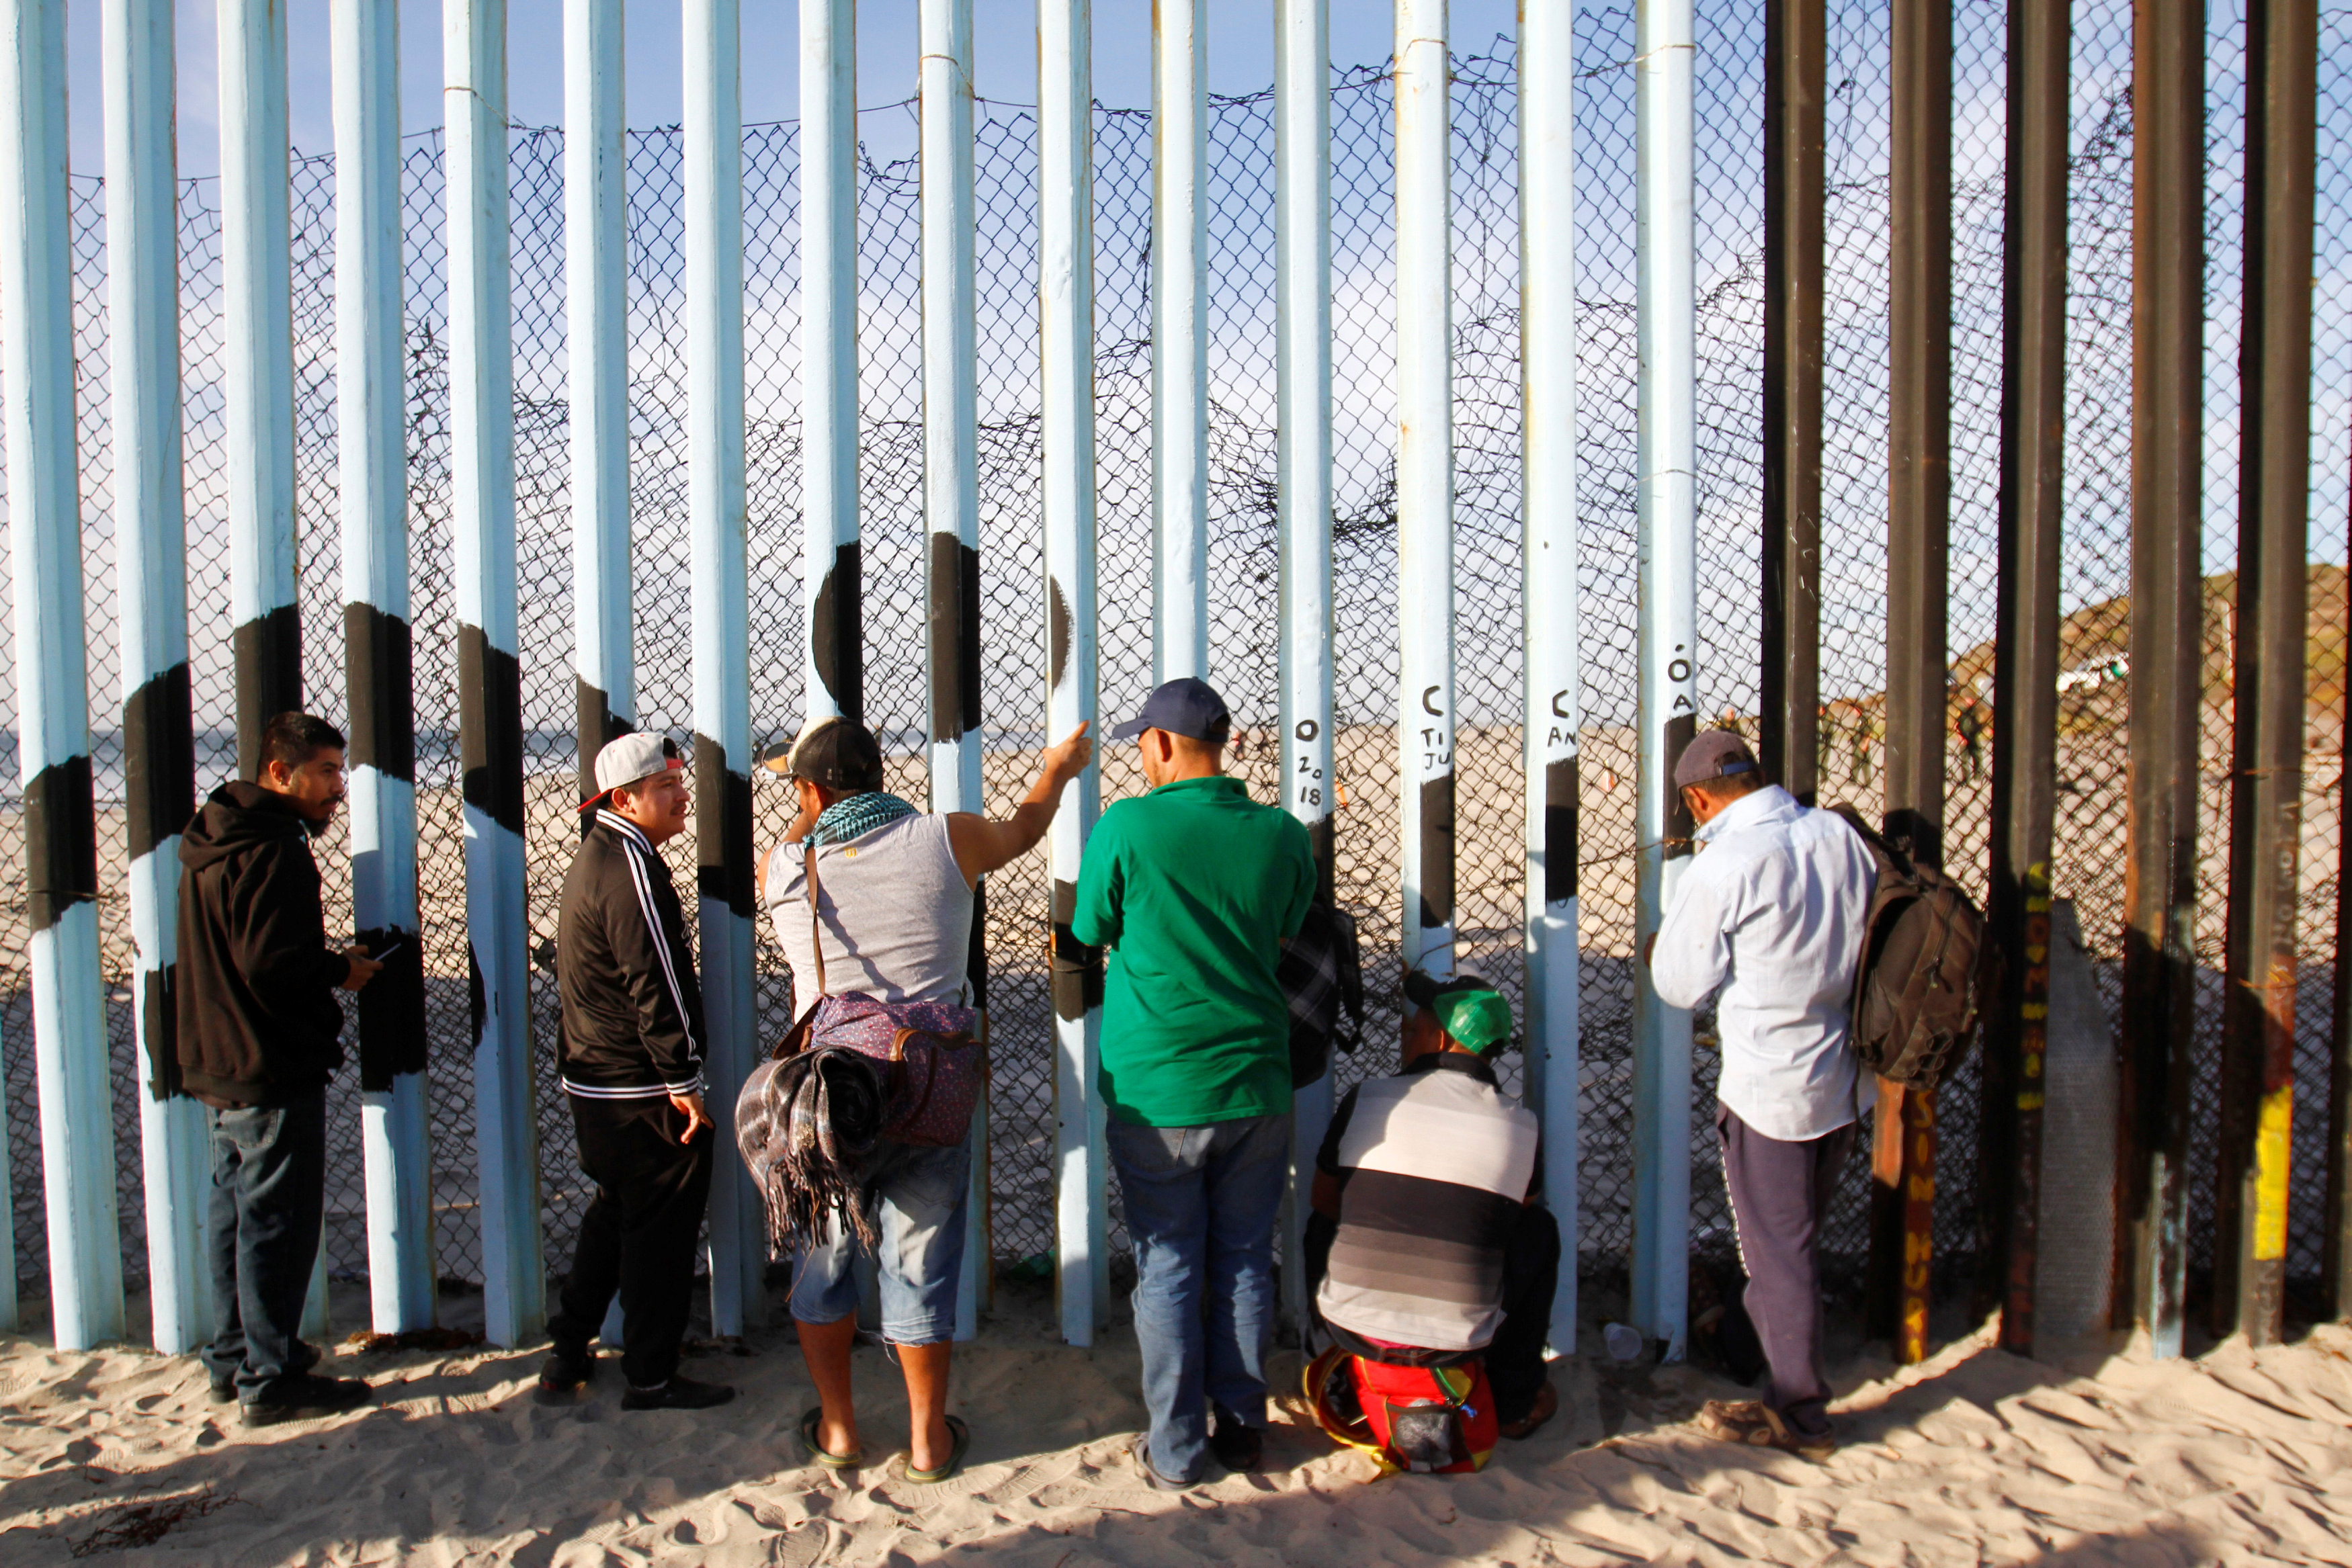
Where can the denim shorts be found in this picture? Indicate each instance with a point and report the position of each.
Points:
(923, 1194)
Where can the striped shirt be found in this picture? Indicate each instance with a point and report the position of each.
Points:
(1435, 1163)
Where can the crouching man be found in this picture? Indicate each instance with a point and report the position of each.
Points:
(1429, 1247)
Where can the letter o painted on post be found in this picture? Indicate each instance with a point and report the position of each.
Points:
(1679, 670)
(1308, 729)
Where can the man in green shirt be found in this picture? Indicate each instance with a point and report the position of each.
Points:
(1194, 887)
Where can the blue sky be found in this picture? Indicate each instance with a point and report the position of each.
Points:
(1240, 59)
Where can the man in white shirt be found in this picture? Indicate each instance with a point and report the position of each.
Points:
(1772, 911)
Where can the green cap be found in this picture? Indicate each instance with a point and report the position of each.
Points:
(1466, 1007)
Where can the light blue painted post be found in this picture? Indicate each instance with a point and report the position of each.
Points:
(1065, 311)
(1666, 647)
(373, 475)
(69, 1049)
(316, 1322)
(951, 495)
(489, 683)
(834, 663)
(1554, 679)
(1179, 340)
(722, 644)
(596, 323)
(152, 591)
(258, 366)
(1302, 154)
(1424, 373)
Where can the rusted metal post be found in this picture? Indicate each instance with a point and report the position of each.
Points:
(1918, 518)
(1796, 54)
(2025, 667)
(2336, 1239)
(2156, 1020)
(2266, 783)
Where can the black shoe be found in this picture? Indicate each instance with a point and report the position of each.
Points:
(563, 1376)
(678, 1394)
(305, 1396)
(221, 1392)
(1237, 1447)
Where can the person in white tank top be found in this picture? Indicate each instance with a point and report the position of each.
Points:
(894, 912)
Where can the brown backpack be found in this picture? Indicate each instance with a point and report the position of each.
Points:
(1920, 984)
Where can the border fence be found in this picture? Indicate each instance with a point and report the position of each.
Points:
(1851, 756)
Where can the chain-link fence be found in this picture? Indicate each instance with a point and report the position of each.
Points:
(1244, 556)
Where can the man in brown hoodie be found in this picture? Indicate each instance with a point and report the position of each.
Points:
(259, 1034)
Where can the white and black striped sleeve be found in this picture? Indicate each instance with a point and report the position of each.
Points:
(647, 930)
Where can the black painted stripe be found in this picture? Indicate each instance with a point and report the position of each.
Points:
(378, 673)
(1680, 730)
(269, 654)
(159, 760)
(392, 1009)
(1057, 633)
(160, 1037)
(953, 600)
(1559, 847)
(837, 632)
(1437, 851)
(597, 726)
(723, 857)
(60, 841)
(490, 720)
(968, 639)
(1078, 969)
(976, 963)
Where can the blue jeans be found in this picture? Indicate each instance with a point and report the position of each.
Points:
(922, 1193)
(269, 1201)
(1202, 1203)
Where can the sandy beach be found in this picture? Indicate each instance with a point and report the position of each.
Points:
(1977, 1456)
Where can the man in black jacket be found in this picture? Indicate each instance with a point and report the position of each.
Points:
(630, 1055)
(259, 1032)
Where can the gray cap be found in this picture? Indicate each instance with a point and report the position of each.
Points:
(1717, 754)
(630, 759)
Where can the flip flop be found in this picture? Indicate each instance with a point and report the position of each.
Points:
(1754, 1424)
(963, 1436)
(831, 1461)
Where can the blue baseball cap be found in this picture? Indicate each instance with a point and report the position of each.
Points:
(1183, 706)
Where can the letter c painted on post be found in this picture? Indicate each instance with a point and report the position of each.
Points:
(1430, 708)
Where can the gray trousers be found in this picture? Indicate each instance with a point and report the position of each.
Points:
(1780, 1191)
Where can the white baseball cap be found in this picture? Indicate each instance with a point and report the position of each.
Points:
(631, 759)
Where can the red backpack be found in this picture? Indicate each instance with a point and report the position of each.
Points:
(1434, 1420)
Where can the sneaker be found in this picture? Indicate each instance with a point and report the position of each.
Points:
(678, 1394)
(305, 1396)
(221, 1390)
(1237, 1447)
(563, 1375)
